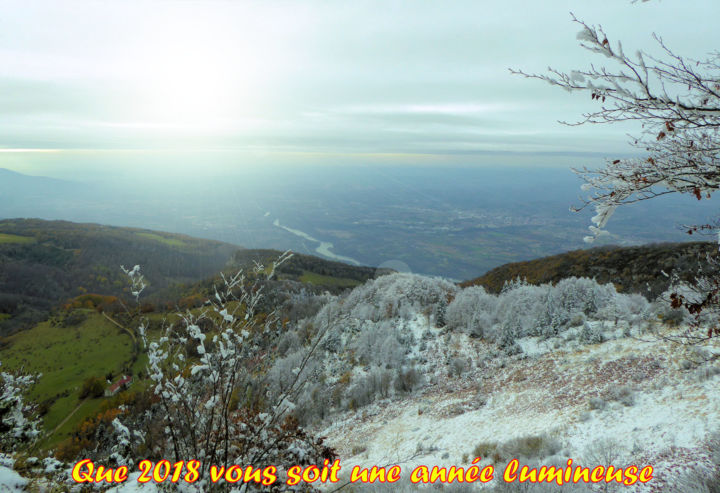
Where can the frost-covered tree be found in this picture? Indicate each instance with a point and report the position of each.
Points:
(520, 311)
(207, 373)
(472, 311)
(675, 100)
(397, 294)
(17, 424)
(573, 297)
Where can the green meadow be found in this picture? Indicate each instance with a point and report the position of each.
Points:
(65, 357)
(172, 242)
(8, 238)
(321, 280)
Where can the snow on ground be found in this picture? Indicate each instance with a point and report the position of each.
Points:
(132, 485)
(10, 480)
(649, 401)
(640, 400)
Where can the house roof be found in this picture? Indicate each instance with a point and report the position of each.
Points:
(125, 379)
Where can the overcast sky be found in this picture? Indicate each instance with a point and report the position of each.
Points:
(411, 81)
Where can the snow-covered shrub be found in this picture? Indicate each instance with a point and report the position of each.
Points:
(706, 372)
(368, 387)
(312, 404)
(528, 447)
(603, 451)
(632, 308)
(591, 334)
(624, 395)
(472, 311)
(17, 426)
(283, 373)
(407, 379)
(457, 366)
(703, 478)
(661, 310)
(597, 403)
(361, 393)
(381, 344)
(572, 297)
(302, 304)
(289, 341)
(397, 295)
(531, 447)
(521, 311)
(440, 313)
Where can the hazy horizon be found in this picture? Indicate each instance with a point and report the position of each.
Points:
(236, 84)
(392, 130)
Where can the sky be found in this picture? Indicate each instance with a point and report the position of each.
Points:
(173, 83)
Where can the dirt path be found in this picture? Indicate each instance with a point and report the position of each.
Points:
(68, 417)
(132, 336)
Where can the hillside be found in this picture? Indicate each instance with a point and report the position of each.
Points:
(634, 269)
(621, 402)
(45, 263)
(403, 369)
(326, 274)
(401, 376)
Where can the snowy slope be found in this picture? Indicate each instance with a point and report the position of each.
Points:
(655, 403)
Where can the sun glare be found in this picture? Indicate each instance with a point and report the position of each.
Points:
(193, 78)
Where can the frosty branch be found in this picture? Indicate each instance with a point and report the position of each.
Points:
(676, 100)
(207, 371)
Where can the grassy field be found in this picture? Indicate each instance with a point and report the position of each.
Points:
(172, 242)
(8, 238)
(313, 278)
(66, 357)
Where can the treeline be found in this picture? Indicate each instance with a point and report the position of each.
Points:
(630, 269)
(47, 264)
(60, 260)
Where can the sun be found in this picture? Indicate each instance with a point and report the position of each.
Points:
(194, 78)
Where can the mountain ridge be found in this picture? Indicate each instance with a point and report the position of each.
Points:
(637, 269)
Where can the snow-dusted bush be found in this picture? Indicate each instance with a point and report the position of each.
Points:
(397, 295)
(591, 334)
(704, 478)
(303, 304)
(457, 366)
(521, 312)
(17, 426)
(632, 308)
(528, 447)
(472, 311)
(662, 310)
(283, 373)
(597, 403)
(572, 297)
(381, 344)
(199, 379)
(624, 395)
(407, 379)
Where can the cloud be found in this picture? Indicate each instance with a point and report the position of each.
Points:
(360, 77)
